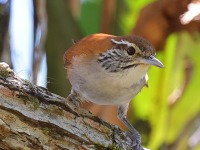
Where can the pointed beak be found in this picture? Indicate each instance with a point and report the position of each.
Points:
(151, 61)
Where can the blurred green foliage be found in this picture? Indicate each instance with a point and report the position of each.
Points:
(62, 29)
(172, 123)
(170, 107)
(90, 17)
(130, 13)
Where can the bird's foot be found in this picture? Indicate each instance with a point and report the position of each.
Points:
(75, 99)
(136, 138)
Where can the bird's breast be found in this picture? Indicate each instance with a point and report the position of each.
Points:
(99, 86)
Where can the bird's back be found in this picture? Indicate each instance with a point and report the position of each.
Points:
(90, 46)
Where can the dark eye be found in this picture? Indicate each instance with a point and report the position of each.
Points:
(131, 50)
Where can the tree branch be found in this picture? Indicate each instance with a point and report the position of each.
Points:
(33, 117)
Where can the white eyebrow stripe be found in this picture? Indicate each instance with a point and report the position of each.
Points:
(123, 42)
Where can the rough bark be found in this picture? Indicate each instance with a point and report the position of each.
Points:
(34, 118)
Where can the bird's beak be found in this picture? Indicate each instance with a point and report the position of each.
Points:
(151, 60)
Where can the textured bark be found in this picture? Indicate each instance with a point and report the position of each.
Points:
(33, 118)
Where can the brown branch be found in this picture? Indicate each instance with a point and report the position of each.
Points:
(4, 22)
(39, 49)
(107, 15)
(32, 117)
(161, 18)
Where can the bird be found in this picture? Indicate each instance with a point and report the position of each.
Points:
(110, 70)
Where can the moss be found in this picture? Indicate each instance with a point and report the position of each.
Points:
(34, 101)
(99, 145)
(113, 146)
(5, 72)
(26, 98)
(45, 130)
(55, 109)
(28, 83)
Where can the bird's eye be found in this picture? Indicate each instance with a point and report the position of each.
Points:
(131, 50)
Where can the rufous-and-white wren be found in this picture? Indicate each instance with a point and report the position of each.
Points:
(110, 70)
